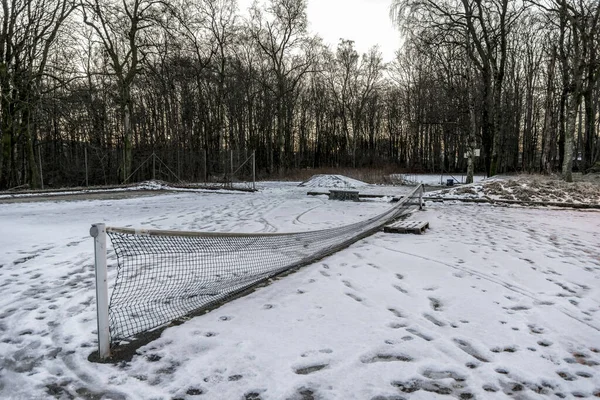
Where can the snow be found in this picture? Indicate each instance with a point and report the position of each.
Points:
(333, 181)
(147, 185)
(489, 301)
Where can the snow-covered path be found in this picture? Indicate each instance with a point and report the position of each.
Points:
(490, 301)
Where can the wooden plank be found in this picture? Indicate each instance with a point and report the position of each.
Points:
(395, 198)
(407, 227)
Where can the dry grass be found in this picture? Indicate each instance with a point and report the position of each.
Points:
(535, 188)
(544, 188)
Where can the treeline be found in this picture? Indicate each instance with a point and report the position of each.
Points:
(104, 84)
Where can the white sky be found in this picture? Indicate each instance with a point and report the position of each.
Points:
(367, 22)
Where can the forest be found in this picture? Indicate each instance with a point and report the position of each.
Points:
(90, 89)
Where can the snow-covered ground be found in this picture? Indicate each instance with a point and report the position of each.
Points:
(491, 301)
(143, 186)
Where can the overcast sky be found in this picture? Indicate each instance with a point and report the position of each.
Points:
(367, 22)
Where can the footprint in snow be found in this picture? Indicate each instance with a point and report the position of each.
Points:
(417, 333)
(309, 369)
(400, 289)
(507, 349)
(470, 350)
(347, 284)
(443, 374)
(396, 312)
(354, 297)
(386, 357)
(566, 375)
(304, 393)
(436, 304)
(252, 396)
(471, 365)
(433, 320)
(396, 325)
(490, 388)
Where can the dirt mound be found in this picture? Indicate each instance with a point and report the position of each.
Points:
(529, 188)
(333, 181)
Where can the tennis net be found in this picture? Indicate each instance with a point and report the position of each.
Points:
(166, 275)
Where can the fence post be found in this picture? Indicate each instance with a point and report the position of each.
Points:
(153, 166)
(421, 198)
(98, 232)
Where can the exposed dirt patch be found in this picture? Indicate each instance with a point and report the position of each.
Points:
(530, 188)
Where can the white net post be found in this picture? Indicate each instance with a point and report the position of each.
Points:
(98, 232)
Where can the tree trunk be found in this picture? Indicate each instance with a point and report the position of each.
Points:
(488, 129)
(590, 130)
(572, 108)
(471, 141)
(127, 136)
(549, 118)
(33, 172)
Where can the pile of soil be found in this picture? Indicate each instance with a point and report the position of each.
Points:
(529, 189)
(333, 181)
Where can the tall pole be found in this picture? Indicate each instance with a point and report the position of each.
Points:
(98, 232)
(205, 169)
(254, 170)
(153, 166)
(86, 167)
(178, 162)
(231, 167)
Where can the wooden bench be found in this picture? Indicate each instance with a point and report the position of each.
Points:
(344, 195)
(407, 227)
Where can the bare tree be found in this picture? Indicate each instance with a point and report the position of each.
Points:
(28, 33)
(280, 34)
(488, 25)
(352, 80)
(119, 28)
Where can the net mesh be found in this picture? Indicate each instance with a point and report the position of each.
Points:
(165, 275)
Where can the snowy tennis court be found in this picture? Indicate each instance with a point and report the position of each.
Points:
(491, 301)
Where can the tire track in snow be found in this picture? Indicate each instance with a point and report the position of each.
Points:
(297, 221)
(268, 227)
